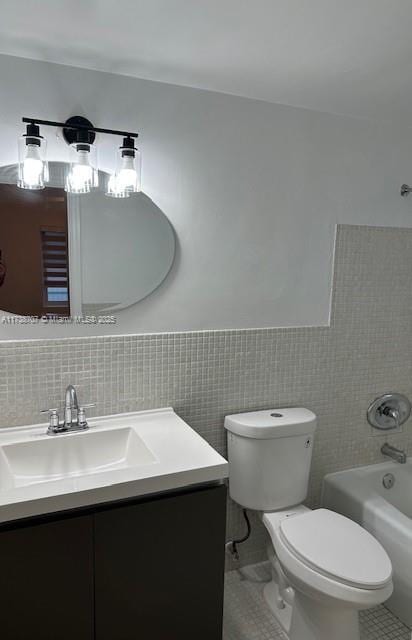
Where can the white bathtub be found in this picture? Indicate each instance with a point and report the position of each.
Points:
(360, 495)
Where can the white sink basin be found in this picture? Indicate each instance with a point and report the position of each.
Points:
(119, 457)
(74, 454)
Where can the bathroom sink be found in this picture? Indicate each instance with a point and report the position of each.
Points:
(119, 457)
(74, 454)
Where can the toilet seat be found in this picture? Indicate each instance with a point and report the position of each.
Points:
(311, 579)
(338, 548)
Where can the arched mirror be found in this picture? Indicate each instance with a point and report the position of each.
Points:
(75, 255)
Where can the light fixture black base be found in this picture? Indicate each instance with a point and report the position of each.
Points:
(78, 122)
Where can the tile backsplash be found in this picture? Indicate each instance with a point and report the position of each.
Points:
(336, 371)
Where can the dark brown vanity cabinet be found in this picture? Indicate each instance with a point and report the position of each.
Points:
(46, 580)
(149, 569)
(159, 568)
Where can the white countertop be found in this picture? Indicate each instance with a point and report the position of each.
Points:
(179, 457)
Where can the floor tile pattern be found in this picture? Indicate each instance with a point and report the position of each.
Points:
(247, 617)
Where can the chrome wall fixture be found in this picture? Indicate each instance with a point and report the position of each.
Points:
(405, 190)
(82, 176)
(389, 411)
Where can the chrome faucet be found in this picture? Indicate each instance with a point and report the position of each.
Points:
(74, 416)
(392, 452)
(70, 404)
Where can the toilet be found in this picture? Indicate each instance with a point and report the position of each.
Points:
(325, 567)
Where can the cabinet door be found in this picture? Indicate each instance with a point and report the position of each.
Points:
(46, 581)
(159, 568)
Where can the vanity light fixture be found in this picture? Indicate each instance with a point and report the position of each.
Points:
(83, 175)
(128, 166)
(33, 169)
(126, 179)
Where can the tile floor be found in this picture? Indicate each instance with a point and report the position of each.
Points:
(247, 617)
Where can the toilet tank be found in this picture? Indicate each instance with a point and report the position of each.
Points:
(270, 453)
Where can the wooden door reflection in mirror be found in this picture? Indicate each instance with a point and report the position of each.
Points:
(34, 252)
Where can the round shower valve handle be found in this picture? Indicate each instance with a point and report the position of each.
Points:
(389, 411)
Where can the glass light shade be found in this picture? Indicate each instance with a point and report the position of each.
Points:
(33, 168)
(115, 189)
(128, 170)
(83, 174)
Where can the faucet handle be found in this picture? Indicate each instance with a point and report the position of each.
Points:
(53, 417)
(81, 414)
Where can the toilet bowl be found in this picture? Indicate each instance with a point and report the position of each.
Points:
(324, 570)
(325, 567)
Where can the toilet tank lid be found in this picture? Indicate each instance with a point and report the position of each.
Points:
(272, 423)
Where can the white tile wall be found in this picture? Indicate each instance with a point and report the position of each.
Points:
(335, 371)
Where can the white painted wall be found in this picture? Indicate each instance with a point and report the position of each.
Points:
(253, 190)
